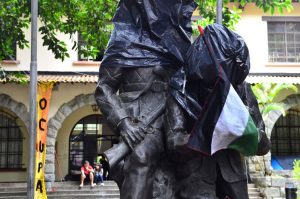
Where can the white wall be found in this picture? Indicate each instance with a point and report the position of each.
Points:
(254, 31)
(46, 59)
(66, 92)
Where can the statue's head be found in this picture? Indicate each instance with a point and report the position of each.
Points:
(231, 51)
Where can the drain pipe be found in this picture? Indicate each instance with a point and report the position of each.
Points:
(219, 17)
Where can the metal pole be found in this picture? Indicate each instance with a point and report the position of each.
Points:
(33, 100)
(219, 17)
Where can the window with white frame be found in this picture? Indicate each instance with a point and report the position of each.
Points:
(284, 41)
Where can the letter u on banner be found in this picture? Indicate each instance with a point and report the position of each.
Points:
(44, 97)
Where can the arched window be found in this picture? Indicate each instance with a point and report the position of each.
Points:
(285, 137)
(11, 142)
(285, 141)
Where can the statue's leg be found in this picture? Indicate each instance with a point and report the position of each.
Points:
(195, 174)
(176, 128)
(117, 174)
(197, 179)
(139, 168)
(231, 190)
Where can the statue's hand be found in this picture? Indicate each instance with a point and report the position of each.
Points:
(131, 133)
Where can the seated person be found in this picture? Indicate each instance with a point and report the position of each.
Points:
(87, 173)
(102, 160)
(99, 174)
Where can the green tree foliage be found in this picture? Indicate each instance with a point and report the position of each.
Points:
(296, 171)
(92, 18)
(266, 94)
(14, 18)
(89, 17)
(231, 14)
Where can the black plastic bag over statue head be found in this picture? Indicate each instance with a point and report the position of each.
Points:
(231, 52)
(217, 45)
(150, 33)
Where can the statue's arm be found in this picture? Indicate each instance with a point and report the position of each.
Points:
(110, 104)
(106, 94)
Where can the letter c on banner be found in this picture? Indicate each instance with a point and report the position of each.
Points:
(42, 120)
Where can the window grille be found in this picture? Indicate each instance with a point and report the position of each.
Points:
(11, 142)
(284, 41)
(285, 137)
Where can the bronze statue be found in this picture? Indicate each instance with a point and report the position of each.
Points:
(133, 85)
(222, 55)
(148, 95)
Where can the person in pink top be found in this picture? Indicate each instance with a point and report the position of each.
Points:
(87, 173)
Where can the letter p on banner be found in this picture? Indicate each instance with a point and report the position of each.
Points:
(44, 97)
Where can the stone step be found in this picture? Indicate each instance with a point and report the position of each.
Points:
(78, 196)
(253, 189)
(253, 194)
(251, 185)
(99, 192)
(70, 194)
(109, 185)
(59, 188)
(105, 187)
(84, 196)
(62, 192)
(56, 184)
(13, 185)
(67, 183)
(15, 193)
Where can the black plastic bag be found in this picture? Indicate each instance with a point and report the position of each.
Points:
(150, 33)
(216, 63)
(200, 73)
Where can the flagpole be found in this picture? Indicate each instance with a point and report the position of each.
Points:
(33, 100)
(219, 17)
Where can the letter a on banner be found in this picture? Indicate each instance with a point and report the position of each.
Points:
(44, 97)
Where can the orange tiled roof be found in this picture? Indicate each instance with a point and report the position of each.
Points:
(265, 78)
(93, 78)
(78, 78)
(68, 78)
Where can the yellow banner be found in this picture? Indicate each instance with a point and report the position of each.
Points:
(43, 99)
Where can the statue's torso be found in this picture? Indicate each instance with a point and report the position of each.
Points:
(143, 89)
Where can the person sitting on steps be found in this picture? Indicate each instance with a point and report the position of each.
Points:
(87, 173)
(99, 174)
